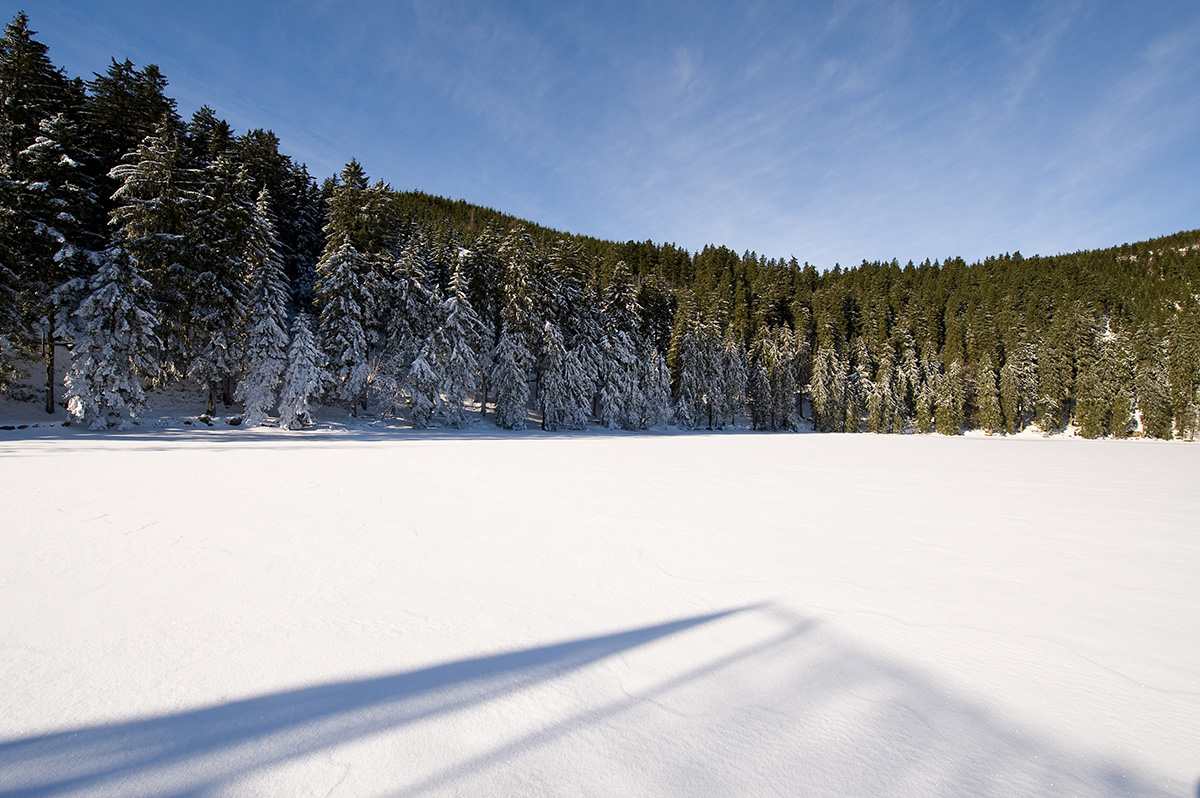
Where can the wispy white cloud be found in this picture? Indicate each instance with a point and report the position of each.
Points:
(1031, 44)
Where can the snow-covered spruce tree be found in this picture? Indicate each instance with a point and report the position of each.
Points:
(31, 88)
(1105, 383)
(1151, 386)
(554, 394)
(620, 399)
(694, 363)
(219, 231)
(344, 304)
(584, 346)
(581, 388)
(265, 318)
(510, 371)
(116, 346)
(423, 381)
(519, 315)
(907, 380)
(1018, 387)
(758, 385)
(157, 200)
(923, 418)
(859, 386)
(782, 373)
(485, 279)
(515, 351)
(1054, 359)
(827, 390)
(948, 410)
(457, 340)
(411, 317)
(54, 200)
(621, 307)
(655, 388)
(352, 279)
(987, 396)
(728, 394)
(1183, 367)
(881, 400)
(303, 378)
(855, 400)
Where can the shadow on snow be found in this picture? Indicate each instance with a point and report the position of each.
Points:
(205, 749)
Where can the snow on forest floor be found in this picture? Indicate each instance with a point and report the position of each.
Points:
(371, 613)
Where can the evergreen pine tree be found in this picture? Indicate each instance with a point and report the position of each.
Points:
(783, 373)
(48, 240)
(304, 377)
(859, 387)
(115, 347)
(926, 396)
(1151, 385)
(620, 400)
(344, 305)
(45, 199)
(948, 403)
(554, 392)
(411, 317)
(456, 342)
(158, 199)
(987, 396)
(827, 390)
(32, 90)
(758, 384)
(655, 389)
(219, 233)
(691, 408)
(124, 106)
(265, 312)
(729, 370)
(510, 370)
(1183, 367)
(424, 380)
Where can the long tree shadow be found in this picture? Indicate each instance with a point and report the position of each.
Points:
(801, 712)
(199, 750)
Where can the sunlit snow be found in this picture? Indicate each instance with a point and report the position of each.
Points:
(254, 612)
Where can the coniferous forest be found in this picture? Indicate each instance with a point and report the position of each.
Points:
(150, 250)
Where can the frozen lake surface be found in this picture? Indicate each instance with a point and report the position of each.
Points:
(234, 612)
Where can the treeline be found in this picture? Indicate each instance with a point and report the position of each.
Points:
(159, 251)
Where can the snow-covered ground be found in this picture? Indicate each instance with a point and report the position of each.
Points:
(377, 612)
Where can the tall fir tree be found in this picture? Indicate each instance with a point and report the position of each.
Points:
(265, 318)
(115, 348)
(509, 380)
(987, 396)
(157, 200)
(44, 200)
(1183, 367)
(554, 392)
(304, 377)
(219, 233)
(455, 349)
(344, 305)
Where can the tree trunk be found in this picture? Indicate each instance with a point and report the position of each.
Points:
(48, 343)
(212, 400)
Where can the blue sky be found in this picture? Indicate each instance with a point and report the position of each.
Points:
(832, 131)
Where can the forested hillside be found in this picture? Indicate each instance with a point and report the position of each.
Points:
(157, 251)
